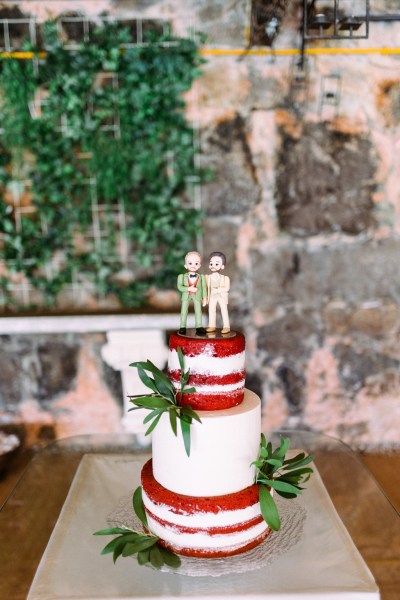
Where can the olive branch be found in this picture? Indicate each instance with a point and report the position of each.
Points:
(145, 545)
(165, 398)
(284, 476)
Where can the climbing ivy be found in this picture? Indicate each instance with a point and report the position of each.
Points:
(102, 122)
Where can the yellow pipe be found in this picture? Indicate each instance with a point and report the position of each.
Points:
(23, 55)
(243, 52)
(294, 51)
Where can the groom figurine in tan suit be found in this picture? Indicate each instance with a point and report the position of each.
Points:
(218, 287)
(192, 286)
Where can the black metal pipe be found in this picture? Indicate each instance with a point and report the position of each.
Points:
(377, 18)
(303, 37)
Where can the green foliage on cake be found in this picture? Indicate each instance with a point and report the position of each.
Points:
(275, 472)
(145, 546)
(164, 398)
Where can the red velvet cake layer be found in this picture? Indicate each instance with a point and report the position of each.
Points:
(209, 527)
(216, 367)
(192, 504)
(212, 401)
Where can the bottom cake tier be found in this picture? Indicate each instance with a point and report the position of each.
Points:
(209, 527)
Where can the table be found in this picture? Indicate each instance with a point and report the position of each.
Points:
(29, 516)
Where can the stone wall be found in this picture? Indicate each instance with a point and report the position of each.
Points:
(306, 205)
(54, 386)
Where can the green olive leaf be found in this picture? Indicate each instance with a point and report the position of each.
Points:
(190, 390)
(268, 508)
(138, 546)
(143, 556)
(118, 551)
(150, 402)
(181, 359)
(156, 558)
(110, 547)
(291, 464)
(188, 411)
(185, 428)
(170, 559)
(154, 413)
(153, 425)
(283, 448)
(112, 531)
(138, 506)
(148, 382)
(172, 420)
(282, 486)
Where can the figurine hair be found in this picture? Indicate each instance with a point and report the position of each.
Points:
(220, 254)
(193, 252)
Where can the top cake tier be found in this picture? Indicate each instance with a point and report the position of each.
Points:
(216, 366)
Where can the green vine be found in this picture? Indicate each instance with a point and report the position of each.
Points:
(104, 125)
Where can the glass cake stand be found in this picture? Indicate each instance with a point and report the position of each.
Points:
(31, 512)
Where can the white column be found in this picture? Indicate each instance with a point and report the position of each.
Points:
(125, 347)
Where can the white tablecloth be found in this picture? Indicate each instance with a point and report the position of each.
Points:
(320, 562)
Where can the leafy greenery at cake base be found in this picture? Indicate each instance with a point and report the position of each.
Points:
(145, 546)
(284, 476)
(102, 125)
(164, 398)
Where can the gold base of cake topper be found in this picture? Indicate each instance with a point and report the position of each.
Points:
(217, 334)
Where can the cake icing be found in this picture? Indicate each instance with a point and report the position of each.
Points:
(223, 446)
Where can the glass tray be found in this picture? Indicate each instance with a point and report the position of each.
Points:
(312, 555)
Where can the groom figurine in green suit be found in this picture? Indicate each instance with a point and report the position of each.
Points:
(192, 286)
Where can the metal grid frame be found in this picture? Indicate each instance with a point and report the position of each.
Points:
(321, 27)
(34, 25)
(18, 286)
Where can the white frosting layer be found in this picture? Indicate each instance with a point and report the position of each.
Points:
(223, 447)
(210, 365)
(202, 519)
(205, 541)
(214, 388)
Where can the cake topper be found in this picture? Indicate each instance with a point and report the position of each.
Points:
(192, 286)
(217, 289)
